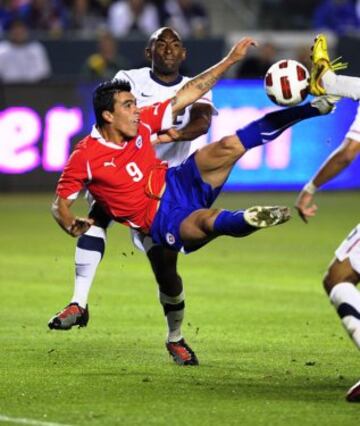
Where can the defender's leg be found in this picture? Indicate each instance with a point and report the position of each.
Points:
(171, 295)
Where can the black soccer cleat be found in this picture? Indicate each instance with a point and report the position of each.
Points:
(353, 394)
(70, 316)
(181, 353)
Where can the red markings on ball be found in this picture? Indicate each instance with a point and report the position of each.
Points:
(283, 64)
(285, 87)
(269, 79)
(301, 73)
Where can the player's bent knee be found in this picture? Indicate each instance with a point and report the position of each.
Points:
(328, 282)
(231, 145)
(339, 272)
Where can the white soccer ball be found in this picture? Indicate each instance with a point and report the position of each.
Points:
(287, 82)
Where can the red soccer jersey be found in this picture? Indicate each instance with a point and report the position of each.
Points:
(121, 177)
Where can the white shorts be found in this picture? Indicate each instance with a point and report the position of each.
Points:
(350, 249)
(354, 131)
(141, 241)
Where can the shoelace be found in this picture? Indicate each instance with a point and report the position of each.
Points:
(337, 65)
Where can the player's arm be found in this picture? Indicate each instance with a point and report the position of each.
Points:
(199, 124)
(333, 165)
(199, 85)
(71, 182)
(73, 225)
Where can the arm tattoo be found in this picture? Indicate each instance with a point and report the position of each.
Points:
(202, 82)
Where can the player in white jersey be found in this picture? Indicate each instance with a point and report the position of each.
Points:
(148, 89)
(323, 79)
(343, 274)
(149, 85)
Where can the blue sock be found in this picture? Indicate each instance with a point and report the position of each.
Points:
(90, 243)
(271, 125)
(232, 223)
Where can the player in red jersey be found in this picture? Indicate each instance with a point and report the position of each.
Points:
(166, 53)
(172, 205)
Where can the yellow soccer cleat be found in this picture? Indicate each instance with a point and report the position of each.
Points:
(320, 64)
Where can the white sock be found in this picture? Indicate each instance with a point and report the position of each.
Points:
(341, 85)
(174, 309)
(87, 259)
(346, 299)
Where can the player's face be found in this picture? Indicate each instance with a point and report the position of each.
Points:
(126, 115)
(167, 53)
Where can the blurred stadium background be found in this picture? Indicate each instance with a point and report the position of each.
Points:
(274, 358)
(41, 120)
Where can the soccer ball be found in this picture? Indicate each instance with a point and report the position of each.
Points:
(287, 82)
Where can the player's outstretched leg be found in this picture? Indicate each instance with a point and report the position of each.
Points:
(203, 225)
(323, 79)
(241, 223)
(215, 160)
(273, 124)
(265, 216)
(72, 315)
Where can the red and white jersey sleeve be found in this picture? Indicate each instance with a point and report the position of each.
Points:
(74, 176)
(157, 116)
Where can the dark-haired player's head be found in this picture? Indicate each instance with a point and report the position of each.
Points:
(103, 98)
(165, 50)
(117, 114)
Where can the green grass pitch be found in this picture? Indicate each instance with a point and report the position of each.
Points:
(271, 348)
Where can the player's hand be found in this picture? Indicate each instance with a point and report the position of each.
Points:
(305, 205)
(239, 50)
(170, 135)
(79, 226)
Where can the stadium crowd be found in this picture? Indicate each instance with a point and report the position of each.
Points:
(191, 18)
(122, 18)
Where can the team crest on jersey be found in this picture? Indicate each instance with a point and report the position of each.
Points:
(170, 239)
(138, 142)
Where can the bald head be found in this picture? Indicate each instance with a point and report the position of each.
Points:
(166, 52)
(161, 32)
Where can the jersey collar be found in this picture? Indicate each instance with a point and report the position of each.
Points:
(95, 134)
(162, 83)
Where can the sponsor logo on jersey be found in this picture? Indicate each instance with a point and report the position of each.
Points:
(138, 142)
(110, 163)
(144, 95)
(170, 239)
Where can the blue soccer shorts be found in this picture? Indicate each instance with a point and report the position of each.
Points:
(185, 192)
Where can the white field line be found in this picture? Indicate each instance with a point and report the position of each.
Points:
(23, 421)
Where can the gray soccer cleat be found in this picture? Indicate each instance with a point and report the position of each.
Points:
(265, 216)
(70, 316)
(325, 104)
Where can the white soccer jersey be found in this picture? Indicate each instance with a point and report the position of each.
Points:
(350, 249)
(148, 89)
(354, 131)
